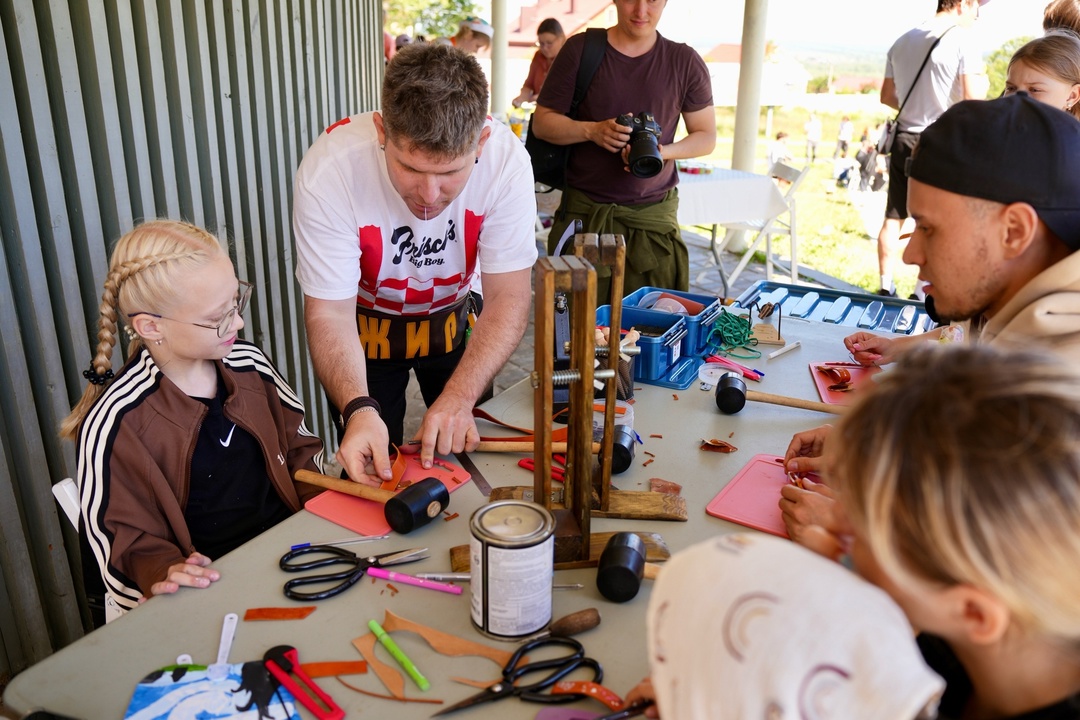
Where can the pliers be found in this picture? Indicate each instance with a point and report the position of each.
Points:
(557, 473)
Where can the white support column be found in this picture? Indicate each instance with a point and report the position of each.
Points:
(499, 101)
(748, 108)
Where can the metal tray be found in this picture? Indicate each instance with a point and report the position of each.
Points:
(855, 310)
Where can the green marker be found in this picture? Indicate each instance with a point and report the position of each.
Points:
(395, 652)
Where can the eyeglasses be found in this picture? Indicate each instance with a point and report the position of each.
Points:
(223, 327)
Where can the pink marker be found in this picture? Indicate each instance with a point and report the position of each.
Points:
(404, 579)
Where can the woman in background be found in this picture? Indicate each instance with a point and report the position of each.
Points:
(549, 38)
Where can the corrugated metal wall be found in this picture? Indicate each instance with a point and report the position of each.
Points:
(112, 111)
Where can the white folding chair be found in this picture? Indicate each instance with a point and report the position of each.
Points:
(765, 228)
(66, 493)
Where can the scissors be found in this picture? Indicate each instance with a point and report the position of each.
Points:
(533, 692)
(557, 473)
(328, 555)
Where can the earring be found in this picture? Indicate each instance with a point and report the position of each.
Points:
(382, 147)
(157, 342)
(130, 332)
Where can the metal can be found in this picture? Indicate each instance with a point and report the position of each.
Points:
(512, 554)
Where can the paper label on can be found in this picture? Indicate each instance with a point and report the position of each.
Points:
(518, 588)
(476, 581)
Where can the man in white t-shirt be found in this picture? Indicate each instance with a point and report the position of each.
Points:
(399, 215)
(812, 128)
(954, 72)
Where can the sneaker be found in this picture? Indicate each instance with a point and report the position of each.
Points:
(886, 293)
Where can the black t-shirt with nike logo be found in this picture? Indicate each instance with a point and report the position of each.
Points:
(231, 498)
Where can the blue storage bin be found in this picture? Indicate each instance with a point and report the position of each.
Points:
(660, 361)
(697, 326)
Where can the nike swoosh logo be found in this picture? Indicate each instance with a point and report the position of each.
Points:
(227, 440)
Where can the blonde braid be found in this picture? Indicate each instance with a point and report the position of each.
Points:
(100, 373)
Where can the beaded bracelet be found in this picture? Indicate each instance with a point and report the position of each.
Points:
(358, 404)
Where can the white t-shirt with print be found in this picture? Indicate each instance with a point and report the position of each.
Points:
(355, 237)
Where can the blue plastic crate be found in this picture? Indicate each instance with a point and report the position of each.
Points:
(697, 326)
(661, 361)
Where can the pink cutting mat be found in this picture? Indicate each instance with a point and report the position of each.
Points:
(859, 375)
(751, 497)
(365, 517)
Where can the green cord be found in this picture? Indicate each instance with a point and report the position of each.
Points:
(732, 332)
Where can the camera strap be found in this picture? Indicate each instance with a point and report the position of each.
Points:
(591, 57)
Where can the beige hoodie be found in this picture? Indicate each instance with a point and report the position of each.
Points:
(1046, 313)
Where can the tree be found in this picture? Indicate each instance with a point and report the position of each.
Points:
(997, 65)
(430, 18)
(818, 84)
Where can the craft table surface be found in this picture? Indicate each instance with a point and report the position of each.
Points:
(727, 196)
(94, 677)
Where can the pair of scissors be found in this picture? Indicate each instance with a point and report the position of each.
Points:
(560, 667)
(320, 556)
(557, 473)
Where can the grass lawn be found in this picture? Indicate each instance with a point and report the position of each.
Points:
(834, 237)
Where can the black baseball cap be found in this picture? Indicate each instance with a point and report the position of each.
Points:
(1012, 149)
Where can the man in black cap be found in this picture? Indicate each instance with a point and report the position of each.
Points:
(995, 193)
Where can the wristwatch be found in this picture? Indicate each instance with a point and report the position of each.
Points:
(363, 403)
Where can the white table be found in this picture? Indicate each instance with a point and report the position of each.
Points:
(94, 677)
(727, 196)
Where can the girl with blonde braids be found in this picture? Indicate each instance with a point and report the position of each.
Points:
(189, 450)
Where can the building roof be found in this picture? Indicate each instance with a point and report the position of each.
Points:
(574, 15)
(725, 53)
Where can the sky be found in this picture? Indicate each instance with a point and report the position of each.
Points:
(857, 24)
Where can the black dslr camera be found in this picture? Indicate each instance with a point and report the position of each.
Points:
(644, 160)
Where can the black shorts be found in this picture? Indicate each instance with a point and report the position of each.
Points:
(896, 207)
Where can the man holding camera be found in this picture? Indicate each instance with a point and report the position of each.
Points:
(651, 82)
(398, 216)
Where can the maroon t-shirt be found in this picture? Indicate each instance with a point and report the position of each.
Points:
(667, 81)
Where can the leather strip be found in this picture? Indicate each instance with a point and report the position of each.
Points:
(278, 613)
(590, 689)
(330, 669)
(557, 435)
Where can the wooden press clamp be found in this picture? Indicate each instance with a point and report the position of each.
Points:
(587, 487)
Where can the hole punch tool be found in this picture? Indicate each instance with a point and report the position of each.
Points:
(320, 556)
(560, 667)
(283, 662)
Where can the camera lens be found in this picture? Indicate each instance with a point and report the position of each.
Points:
(644, 157)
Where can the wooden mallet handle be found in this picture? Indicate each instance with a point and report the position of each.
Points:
(793, 402)
(343, 486)
(731, 397)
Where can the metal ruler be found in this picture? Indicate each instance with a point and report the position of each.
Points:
(477, 477)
